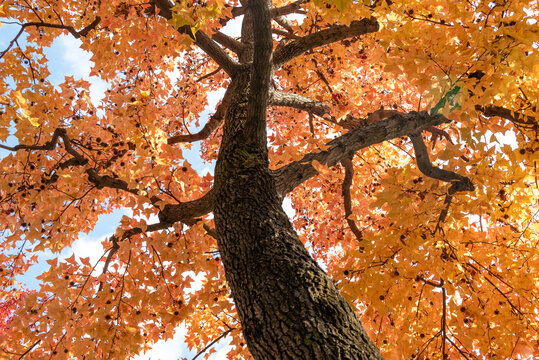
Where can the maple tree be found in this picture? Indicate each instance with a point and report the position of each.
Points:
(424, 217)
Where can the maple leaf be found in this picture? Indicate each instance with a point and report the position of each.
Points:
(403, 133)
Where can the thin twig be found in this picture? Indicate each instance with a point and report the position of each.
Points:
(444, 315)
(38, 24)
(347, 198)
(29, 349)
(212, 343)
(210, 74)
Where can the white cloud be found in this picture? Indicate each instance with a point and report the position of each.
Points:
(176, 348)
(167, 350)
(85, 246)
(233, 27)
(67, 58)
(90, 247)
(287, 207)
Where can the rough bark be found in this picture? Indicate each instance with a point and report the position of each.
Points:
(288, 306)
(290, 176)
(323, 37)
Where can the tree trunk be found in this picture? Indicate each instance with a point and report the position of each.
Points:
(288, 307)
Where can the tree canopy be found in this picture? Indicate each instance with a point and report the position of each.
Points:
(403, 132)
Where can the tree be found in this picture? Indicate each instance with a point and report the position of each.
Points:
(438, 258)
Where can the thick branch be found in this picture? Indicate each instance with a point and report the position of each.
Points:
(281, 98)
(211, 125)
(285, 34)
(164, 8)
(261, 73)
(323, 37)
(347, 197)
(217, 53)
(203, 41)
(274, 12)
(293, 174)
(460, 183)
(285, 23)
(228, 42)
(518, 118)
(99, 181)
(235, 10)
(187, 212)
(287, 9)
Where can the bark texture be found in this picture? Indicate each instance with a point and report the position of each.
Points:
(288, 306)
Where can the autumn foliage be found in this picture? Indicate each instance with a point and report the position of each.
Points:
(8, 307)
(433, 268)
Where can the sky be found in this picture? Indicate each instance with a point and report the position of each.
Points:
(67, 59)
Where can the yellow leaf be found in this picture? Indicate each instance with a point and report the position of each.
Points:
(23, 108)
(20, 100)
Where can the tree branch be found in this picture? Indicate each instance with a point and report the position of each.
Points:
(217, 53)
(212, 343)
(99, 181)
(323, 37)
(347, 197)
(235, 10)
(516, 117)
(274, 12)
(187, 212)
(285, 34)
(444, 320)
(38, 24)
(228, 42)
(285, 23)
(281, 98)
(293, 174)
(211, 125)
(126, 235)
(203, 41)
(29, 349)
(459, 182)
(261, 73)
(164, 7)
(443, 213)
(291, 8)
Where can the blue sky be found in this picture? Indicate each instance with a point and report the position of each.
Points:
(67, 59)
